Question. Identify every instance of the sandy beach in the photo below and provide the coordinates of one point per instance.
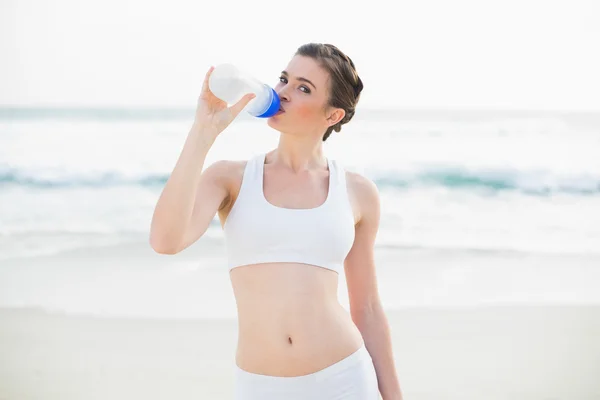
(493, 353)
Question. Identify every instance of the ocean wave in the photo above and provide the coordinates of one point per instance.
(492, 180)
(488, 180)
(52, 179)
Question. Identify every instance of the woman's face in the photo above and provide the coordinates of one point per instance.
(303, 88)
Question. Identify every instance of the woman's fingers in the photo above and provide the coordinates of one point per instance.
(206, 78)
(243, 102)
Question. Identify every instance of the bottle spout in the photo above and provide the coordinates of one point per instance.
(273, 106)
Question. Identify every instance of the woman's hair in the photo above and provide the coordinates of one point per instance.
(345, 86)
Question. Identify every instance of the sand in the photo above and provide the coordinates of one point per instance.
(485, 353)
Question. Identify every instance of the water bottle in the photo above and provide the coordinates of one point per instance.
(230, 84)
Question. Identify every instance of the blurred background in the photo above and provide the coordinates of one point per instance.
(479, 122)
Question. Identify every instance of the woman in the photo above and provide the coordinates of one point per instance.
(293, 221)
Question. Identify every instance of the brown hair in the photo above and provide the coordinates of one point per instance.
(345, 86)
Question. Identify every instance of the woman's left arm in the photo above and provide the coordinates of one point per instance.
(365, 306)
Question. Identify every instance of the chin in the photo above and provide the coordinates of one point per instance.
(272, 122)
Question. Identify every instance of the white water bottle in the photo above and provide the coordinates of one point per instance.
(230, 84)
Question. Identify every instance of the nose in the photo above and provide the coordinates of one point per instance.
(282, 93)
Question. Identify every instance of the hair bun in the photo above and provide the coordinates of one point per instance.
(358, 87)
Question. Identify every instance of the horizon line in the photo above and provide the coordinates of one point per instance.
(589, 118)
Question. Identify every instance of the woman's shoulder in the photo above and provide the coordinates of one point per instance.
(224, 166)
(228, 171)
(363, 192)
(360, 183)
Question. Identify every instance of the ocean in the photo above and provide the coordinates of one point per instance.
(476, 183)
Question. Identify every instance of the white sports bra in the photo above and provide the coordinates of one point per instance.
(257, 231)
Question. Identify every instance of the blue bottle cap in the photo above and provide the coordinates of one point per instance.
(273, 107)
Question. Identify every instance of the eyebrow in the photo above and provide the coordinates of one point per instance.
(301, 79)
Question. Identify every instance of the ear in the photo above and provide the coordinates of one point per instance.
(336, 116)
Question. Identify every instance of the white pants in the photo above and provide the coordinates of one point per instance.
(352, 378)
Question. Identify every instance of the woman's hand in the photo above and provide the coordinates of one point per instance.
(212, 113)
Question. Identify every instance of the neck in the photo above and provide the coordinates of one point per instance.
(299, 154)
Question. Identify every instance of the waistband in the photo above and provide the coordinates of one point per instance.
(289, 382)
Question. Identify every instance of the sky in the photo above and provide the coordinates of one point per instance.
(426, 54)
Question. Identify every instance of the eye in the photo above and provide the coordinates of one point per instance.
(283, 79)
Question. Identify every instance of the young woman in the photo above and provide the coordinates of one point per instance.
(293, 220)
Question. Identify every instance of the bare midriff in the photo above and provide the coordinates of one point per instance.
(290, 322)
